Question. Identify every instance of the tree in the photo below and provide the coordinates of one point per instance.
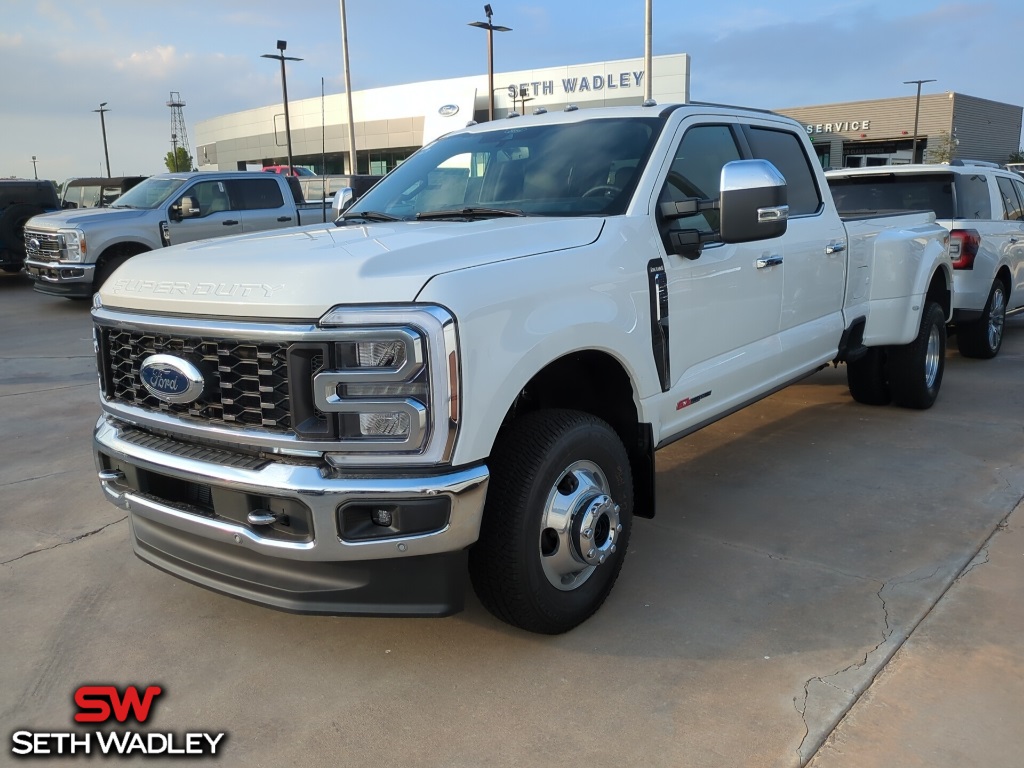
(184, 160)
(1017, 157)
(942, 149)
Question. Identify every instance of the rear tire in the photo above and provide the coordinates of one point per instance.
(915, 369)
(556, 523)
(983, 337)
(868, 378)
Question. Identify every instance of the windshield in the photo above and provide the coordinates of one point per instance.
(149, 194)
(573, 169)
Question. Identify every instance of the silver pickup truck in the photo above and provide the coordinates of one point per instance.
(70, 253)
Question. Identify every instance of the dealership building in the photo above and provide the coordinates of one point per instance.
(391, 123)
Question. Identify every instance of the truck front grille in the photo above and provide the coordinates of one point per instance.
(246, 381)
(41, 246)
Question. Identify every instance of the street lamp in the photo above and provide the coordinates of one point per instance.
(174, 145)
(34, 174)
(523, 97)
(103, 125)
(917, 112)
(491, 29)
(281, 46)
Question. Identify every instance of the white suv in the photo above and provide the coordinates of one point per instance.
(982, 206)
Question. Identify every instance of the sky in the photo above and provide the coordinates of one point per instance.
(60, 59)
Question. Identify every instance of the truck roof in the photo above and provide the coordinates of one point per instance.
(573, 115)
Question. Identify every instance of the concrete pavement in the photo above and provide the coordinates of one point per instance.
(798, 545)
(953, 695)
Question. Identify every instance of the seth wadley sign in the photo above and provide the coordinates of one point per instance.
(578, 84)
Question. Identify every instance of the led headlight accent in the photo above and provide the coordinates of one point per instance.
(391, 385)
(72, 245)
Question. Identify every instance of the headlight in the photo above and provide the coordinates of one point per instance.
(391, 381)
(72, 244)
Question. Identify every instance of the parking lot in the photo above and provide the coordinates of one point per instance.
(797, 545)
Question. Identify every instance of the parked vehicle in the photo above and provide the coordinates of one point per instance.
(982, 206)
(95, 192)
(71, 253)
(474, 369)
(325, 187)
(20, 200)
(297, 170)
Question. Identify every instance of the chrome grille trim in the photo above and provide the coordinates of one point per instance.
(436, 323)
(49, 246)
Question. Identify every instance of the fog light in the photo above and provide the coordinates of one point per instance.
(381, 516)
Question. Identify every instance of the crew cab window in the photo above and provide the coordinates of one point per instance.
(1011, 204)
(211, 197)
(785, 151)
(255, 194)
(696, 171)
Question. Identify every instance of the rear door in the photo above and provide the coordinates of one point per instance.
(815, 253)
(1015, 243)
(261, 204)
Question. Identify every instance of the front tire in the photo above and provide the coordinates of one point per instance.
(983, 337)
(557, 521)
(915, 369)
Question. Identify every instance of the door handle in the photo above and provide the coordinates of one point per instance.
(229, 222)
(768, 261)
(284, 218)
(835, 248)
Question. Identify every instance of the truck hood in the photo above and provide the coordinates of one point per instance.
(78, 217)
(302, 272)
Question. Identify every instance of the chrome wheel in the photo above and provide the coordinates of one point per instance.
(579, 527)
(996, 316)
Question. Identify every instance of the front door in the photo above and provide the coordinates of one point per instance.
(724, 307)
(217, 216)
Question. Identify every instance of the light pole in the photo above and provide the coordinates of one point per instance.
(34, 174)
(491, 29)
(103, 125)
(281, 46)
(174, 145)
(523, 97)
(917, 112)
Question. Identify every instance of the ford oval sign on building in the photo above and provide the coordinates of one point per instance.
(448, 110)
(171, 379)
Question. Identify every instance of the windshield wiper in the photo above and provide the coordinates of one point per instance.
(469, 213)
(370, 216)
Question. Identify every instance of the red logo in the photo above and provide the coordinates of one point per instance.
(97, 703)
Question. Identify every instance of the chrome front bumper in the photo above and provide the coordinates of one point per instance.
(324, 573)
(59, 279)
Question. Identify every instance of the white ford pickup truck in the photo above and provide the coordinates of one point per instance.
(471, 371)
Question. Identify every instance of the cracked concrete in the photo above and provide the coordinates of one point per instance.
(72, 540)
(953, 693)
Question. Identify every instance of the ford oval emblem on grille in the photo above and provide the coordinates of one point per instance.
(171, 379)
(448, 110)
